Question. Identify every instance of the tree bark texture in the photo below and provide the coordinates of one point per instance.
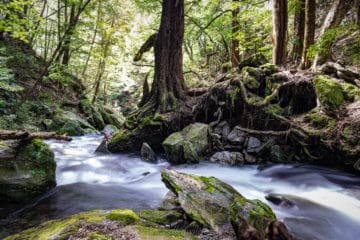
(235, 53)
(168, 86)
(309, 37)
(357, 9)
(280, 20)
(333, 19)
(299, 31)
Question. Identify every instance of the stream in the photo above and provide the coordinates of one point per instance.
(325, 203)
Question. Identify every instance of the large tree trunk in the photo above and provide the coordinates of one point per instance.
(336, 14)
(357, 9)
(309, 37)
(168, 87)
(299, 30)
(280, 20)
(235, 54)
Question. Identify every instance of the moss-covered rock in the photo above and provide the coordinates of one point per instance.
(253, 61)
(187, 145)
(254, 212)
(94, 117)
(65, 122)
(351, 92)
(111, 117)
(26, 170)
(329, 92)
(100, 224)
(249, 77)
(205, 200)
(167, 217)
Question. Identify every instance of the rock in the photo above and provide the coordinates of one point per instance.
(228, 158)
(277, 230)
(113, 224)
(253, 145)
(351, 92)
(245, 212)
(280, 200)
(204, 199)
(92, 114)
(169, 218)
(112, 117)
(102, 148)
(169, 202)
(298, 95)
(329, 93)
(340, 71)
(236, 136)
(187, 145)
(269, 69)
(27, 170)
(249, 158)
(147, 154)
(253, 61)
(251, 78)
(69, 123)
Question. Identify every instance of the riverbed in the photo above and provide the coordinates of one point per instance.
(325, 203)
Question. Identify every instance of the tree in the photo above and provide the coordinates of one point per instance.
(309, 36)
(336, 14)
(299, 30)
(235, 53)
(168, 87)
(280, 20)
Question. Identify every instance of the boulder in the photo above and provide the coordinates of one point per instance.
(329, 93)
(253, 61)
(245, 212)
(92, 114)
(147, 154)
(102, 148)
(340, 71)
(169, 202)
(253, 145)
(187, 145)
(228, 158)
(27, 170)
(204, 199)
(111, 117)
(237, 137)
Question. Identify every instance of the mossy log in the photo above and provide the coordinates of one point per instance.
(24, 135)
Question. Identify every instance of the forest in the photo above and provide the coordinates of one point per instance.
(180, 119)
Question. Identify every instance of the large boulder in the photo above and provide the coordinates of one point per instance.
(27, 170)
(187, 145)
(204, 199)
(329, 93)
(65, 122)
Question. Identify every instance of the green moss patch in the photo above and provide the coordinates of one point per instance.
(163, 233)
(161, 217)
(125, 216)
(351, 92)
(329, 92)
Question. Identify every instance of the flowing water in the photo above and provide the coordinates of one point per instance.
(323, 203)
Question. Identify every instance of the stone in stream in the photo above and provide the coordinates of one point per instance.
(147, 154)
(102, 148)
(188, 145)
(213, 203)
(228, 158)
(253, 145)
(27, 170)
(236, 136)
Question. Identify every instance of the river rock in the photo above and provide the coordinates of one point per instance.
(102, 148)
(187, 145)
(147, 154)
(357, 165)
(249, 158)
(228, 158)
(27, 170)
(237, 137)
(204, 199)
(253, 145)
(246, 214)
(169, 202)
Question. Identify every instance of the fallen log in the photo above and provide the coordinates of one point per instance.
(24, 135)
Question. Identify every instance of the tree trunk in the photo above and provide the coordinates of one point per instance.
(72, 24)
(280, 20)
(309, 37)
(357, 9)
(235, 53)
(168, 87)
(336, 14)
(299, 31)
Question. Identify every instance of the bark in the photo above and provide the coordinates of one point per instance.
(24, 135)
(235, 53)
(146, 92)
(168, 87)
(299, 30)
(357, 9)
(309, 37)
(150, 42)
(333, 19)
(72, 24)
(280, 20)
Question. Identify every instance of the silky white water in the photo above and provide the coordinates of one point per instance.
(326, 203)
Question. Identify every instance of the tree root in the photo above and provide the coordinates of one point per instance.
(26, 136)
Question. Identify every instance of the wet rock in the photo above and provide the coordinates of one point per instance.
(249, 158)
(92, 114)
(102, 148)
(27, 170)
(147, 154)
(187, 145)
(205, 200)
(112, 117)
(357, 165)
(280, 200)
(245, 212)
(253, 145)
(277, 231)
(236, 136)
(169, 202)
(228, 158)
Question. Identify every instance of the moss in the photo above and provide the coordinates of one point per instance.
(99, 236)
(125, 216)
(320, 121)
(269, 68)
(119, 137)
(329, 92)
(351, 92)
(350, 135)
(163, 233)
(156, 120)
(208, 181)
(161, 217)
(249, 77)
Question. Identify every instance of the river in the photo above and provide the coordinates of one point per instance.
(325, 203)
